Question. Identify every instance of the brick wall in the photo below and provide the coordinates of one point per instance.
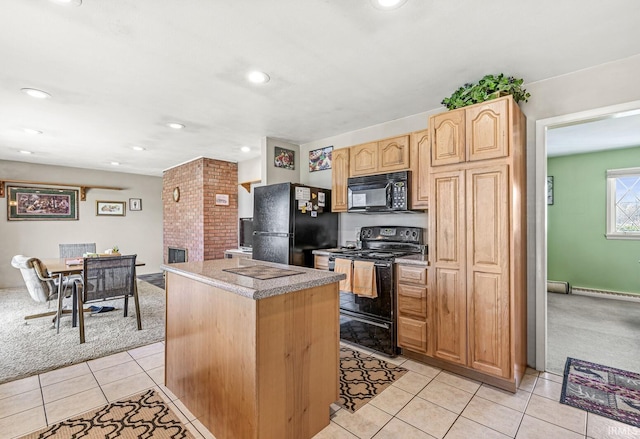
(195, 222)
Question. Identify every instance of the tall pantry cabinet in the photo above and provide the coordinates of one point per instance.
(477, 236)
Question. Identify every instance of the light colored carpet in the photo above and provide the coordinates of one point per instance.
(36, 348)
(599, 330)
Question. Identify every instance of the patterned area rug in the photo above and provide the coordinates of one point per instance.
(141, 416)
(362, 377)
(602, 390)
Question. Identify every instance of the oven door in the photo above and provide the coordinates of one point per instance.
(369, 333)
(381, 307)
(376, 196)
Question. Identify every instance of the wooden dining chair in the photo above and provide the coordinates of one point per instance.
(109, 277)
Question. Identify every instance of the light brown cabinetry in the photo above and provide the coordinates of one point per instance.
(478, 244)
(339, 176)
(320, 262)
(380, 157)
(413, 328)
(477, 132)
(420, 163)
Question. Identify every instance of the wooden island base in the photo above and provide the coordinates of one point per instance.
(250, 368)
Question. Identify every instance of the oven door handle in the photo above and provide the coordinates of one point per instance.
(383, 264)
(369, 322)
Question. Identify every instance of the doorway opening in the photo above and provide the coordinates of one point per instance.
(541, 210)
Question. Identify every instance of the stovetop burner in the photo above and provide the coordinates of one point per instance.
(372, 254)
(384, 243)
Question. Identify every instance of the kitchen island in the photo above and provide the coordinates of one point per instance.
(252, 347)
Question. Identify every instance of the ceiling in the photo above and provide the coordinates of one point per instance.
(119, 70)
(612, 132)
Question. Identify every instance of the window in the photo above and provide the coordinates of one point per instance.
(623, 203)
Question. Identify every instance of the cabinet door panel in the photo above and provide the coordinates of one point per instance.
(450, 316)
(446, 231)
(364, 159)
(340, 173)
(393, 154)
(487, 130)
(420, 163)
(412, 334)
(488, 295)
(447, 223)
(447, 138)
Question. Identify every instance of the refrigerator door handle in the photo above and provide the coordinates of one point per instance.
(279, 235)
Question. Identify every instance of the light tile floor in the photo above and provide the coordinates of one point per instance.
(425, 403)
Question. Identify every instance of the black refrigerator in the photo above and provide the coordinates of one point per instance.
(290, 221)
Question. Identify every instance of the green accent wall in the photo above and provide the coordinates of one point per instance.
(577, 250)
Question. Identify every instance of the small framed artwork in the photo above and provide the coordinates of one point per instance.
(284, 158)
(34, 203)
(320, 159)
(549, 190)
(222, 199)
(135, 204)
(110, 208)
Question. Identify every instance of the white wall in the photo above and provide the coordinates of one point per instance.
(271, 174)
(137, 232)
(248, 170)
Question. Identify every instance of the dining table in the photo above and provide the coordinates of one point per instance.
(62, 267)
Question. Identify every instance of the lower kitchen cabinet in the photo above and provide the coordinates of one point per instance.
(412, 308)
(321, 262)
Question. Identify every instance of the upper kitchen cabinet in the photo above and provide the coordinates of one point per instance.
(339, 176)
(393, 154)
(364, 159)
(447, 138)
(477, 132)
(380, 157)
(420, 162)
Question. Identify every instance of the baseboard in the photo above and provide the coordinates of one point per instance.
(560, 287)
(604, 294)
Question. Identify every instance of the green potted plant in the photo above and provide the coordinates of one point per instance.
(489, 87)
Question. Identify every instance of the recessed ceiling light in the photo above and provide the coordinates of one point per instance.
(245, 149)
(26, 152)
(32, 131)
(115, 163)
(175, 125)
(258, 77)
(137, 148)
(35, 93)
(68, 2)
(387, 5)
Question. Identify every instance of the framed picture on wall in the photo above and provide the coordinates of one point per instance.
(284, 158)
(135, 204)
(110, 208)
(549, 190)
(320, 159)
(36, 203)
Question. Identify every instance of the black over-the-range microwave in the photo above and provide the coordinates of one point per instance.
(379, 193)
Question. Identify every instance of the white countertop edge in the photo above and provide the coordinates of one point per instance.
(262, 293)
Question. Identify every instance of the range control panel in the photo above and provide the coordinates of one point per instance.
(412, 235)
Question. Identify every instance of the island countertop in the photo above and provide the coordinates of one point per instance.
(216, 273)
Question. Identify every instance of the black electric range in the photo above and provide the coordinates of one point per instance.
(371, 322)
